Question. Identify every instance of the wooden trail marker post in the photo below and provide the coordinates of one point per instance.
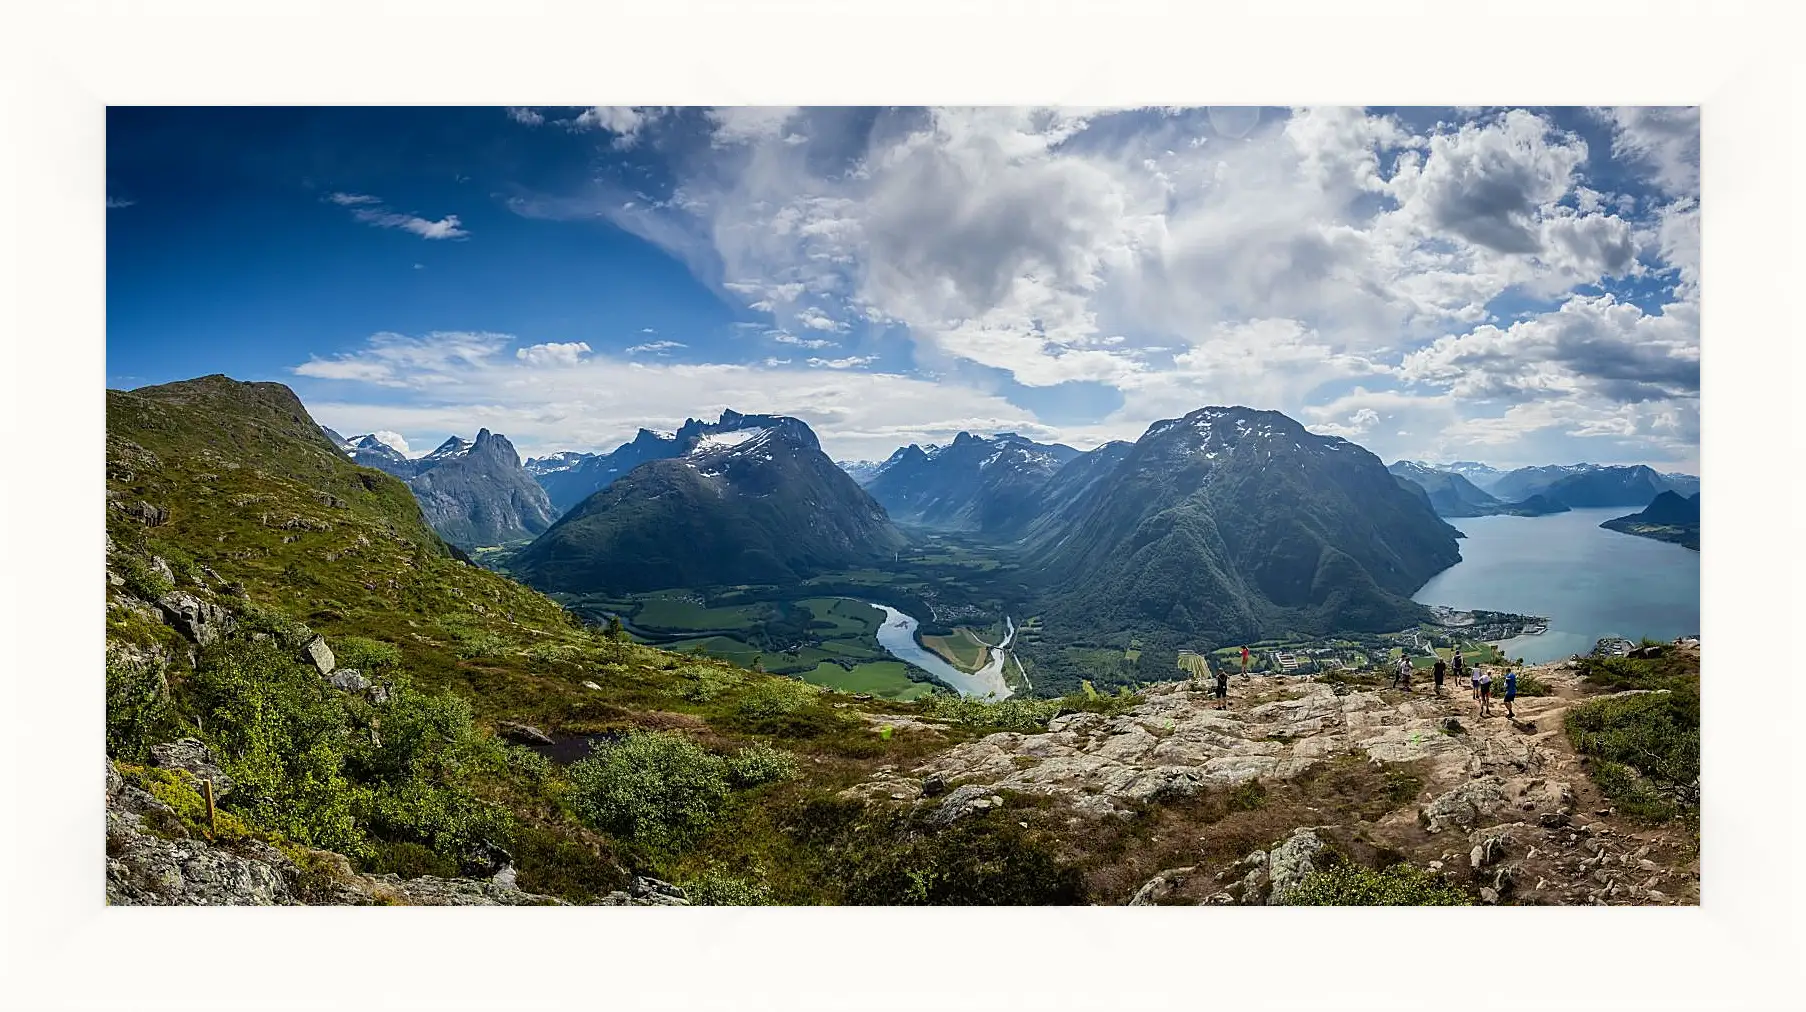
(207, 793)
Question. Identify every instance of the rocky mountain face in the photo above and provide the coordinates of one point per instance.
(752, 499)
(1230, 523)
(1450, 494)
(975, 483)
(567, 486)
(476, 493)
(1073, 485)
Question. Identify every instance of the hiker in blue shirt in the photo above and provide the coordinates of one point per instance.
(1511, 691)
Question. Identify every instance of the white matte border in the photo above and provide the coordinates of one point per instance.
(67, 950)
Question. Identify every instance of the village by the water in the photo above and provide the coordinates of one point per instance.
(1474, 634)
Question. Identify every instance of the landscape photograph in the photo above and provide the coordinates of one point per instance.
(954, 506)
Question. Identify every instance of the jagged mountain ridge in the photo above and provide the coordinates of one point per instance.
(473, 492)
(476, 493)
(975, 483)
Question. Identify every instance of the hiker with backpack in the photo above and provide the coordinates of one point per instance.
(1511, 692)
(1484, 680)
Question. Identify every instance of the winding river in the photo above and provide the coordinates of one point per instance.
(898, 636)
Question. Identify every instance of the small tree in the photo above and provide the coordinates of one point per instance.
(616, 634)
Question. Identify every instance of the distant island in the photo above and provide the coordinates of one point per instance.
(1668, 517)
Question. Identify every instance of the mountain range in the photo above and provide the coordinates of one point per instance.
(473, 492)
(1467, 488)
(1452, 495)
(749, 499)
(975, 483)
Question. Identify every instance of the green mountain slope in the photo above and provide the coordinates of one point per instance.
(1232, 524)
(753, 500)
(352, 688)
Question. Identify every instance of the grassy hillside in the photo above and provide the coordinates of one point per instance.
(721, 779)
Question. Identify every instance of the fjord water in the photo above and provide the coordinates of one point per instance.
(1589, 582)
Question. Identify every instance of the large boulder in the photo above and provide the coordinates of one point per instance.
(1161, 886)
(201, 621)
(194, 757)
(525, 734)
(1465, 805)
(963, 801)
(646, 892)
(348, 679)
(1291, 861)
(318, 652)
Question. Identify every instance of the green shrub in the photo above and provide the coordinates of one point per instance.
(653, 788)
(551, 864)
(1013, 714)
(481, 644)
(410, 860)
(142, 578)
(139, 714)
(761, 764)
(422, 771)
(281, 735)
(1530, 685)
(1644, 750)
(716, 888)
(366, 655)
(1247, 797)
(778, 696)
(700, 684)
(1350, 885)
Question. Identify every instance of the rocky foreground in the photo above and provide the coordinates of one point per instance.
(153, 859)
(1504, 807)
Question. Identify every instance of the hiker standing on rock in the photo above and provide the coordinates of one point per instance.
(1511, 691)
(1403, 678)
(1460, 666)
(1440, 671)
(1473, 676)
(1222, 689)
(1484, 679)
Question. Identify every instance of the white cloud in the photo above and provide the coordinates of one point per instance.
(444, 228)
(1664, 139)
(454, 382)
(524, 115)
(739, 124)
(1593, 345)
(370, 211)
(1284, 257)
(624, 122)
(655, 346)
(568, 353)
(394, 440)
(784, 337)
(113, 203)
(850, 362)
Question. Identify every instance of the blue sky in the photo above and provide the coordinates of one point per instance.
(1510, 285)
